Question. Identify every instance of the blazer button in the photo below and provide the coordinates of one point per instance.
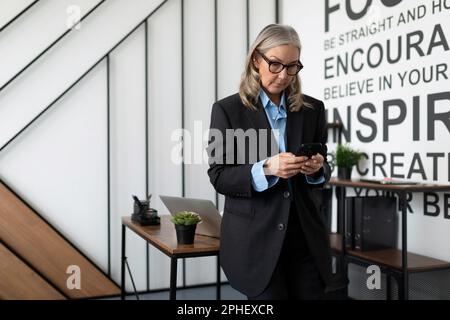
(281, 226)
(286, 194)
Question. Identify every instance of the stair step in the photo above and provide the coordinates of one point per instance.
(19, 282)
(41, 246)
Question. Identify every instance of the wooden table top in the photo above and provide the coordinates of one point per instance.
(164, 238)
(390, 187)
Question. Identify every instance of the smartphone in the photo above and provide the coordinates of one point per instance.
(311, 149)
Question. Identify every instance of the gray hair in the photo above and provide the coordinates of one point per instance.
(271, 36)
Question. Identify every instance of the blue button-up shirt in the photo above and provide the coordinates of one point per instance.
(277, 116)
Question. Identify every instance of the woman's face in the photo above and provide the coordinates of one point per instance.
(275, 83)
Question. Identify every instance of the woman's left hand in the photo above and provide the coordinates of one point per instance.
(312, 165)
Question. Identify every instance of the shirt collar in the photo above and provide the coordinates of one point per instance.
(266, 100)
(274, 111)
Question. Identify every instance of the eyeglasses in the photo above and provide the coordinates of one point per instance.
(277, 67)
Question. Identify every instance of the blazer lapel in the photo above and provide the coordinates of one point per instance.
(294, 130)
(258, 117)
(259, 120)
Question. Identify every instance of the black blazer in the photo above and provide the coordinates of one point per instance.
(254, 223)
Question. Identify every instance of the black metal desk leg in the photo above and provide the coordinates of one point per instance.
(173, 278)
(341, 229)
(401, 290)
(218, 293)
(342, 261)
(122, 269)
(388, 287)
(405, 281)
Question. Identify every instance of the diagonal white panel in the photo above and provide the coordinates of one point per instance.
(60, 67)
(22, 42)
(10, 8)
(59, 166)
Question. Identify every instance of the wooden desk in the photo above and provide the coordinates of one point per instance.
(398, 260)
(164, 238)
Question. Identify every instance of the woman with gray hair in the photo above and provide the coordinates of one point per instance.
(274, 242)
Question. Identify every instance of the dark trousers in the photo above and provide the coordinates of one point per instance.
(296, 275)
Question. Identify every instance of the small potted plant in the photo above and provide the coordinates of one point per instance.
(185, 224)
(346, 159)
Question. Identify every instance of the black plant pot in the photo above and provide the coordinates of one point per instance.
(185, 234)
(345, 173)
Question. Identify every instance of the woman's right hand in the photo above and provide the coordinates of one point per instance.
(284, 165)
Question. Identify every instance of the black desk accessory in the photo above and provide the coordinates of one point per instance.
(143, 214)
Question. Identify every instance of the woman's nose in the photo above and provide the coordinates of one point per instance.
(283, 74)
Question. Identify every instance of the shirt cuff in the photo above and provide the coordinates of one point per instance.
(260, 181)
(315, 180)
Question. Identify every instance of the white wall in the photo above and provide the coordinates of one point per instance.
(165, 176)
(199, 97)
(128, 148)
(25, 41)
(305, 18)
(11, 8)
(59, 164)
(427, 235)
(231, 51)
(262, 12)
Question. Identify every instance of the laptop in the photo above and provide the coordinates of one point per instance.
(211, 218)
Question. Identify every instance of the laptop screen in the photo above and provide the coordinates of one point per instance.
(211, 218)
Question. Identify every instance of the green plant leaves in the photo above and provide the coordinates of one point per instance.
(186, 218)
(346, 156)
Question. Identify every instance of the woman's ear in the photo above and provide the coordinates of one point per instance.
(255, 62)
